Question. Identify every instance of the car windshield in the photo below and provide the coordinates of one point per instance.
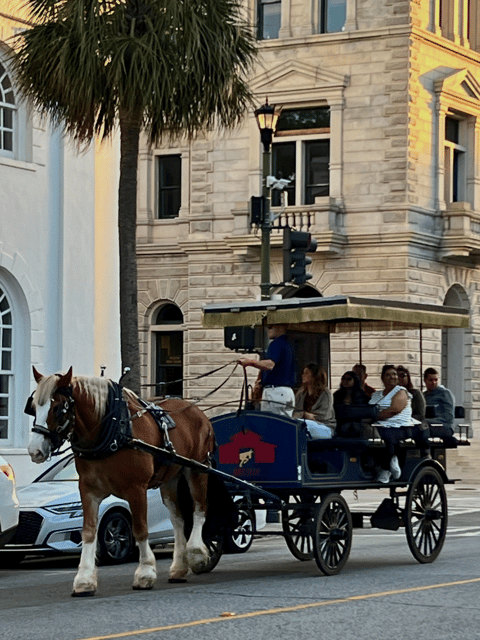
(60, 473)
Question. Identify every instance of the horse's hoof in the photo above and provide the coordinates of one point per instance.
(177, 580)
(82, 594)
(137, 587)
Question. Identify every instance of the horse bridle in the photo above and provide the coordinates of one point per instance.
(63, 414)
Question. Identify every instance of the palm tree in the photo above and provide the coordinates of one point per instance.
(167, 67)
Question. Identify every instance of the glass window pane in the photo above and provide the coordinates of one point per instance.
(452, 129)
(283, 166)
(4, 384)
(3, 429)
(333, 14)
(8, 118)
(6, 360)
(169, 314)
(169, 177)
(269, 19)
(7, 141)
(6, 338)
(317, 158)
(169, 363)
(4, 306)
(298, 119)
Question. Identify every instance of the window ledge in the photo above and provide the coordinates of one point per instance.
(17, 164)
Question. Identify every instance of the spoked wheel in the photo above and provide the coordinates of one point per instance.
(426, 515)
(332, 538)
(297, 526)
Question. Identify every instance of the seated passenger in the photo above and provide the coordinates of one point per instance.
(443, 403)
(420, 432)
(395, 412)
(314, 403)
(361, 371)
(350, 391)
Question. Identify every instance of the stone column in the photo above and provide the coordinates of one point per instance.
(463, 23)
(336, 148)
(434, 21)
(285, 23)
(440, 159)
(351, 16)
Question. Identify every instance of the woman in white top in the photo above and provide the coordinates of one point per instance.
(395, 406)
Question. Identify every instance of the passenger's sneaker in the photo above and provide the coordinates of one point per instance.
(384, 476)
(395, 468)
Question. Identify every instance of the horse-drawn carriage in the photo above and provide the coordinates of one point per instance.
(124, 446)
(307, 478)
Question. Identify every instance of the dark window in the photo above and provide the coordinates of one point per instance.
(168, 352)
(283, 166)
(332, 15)
(169, 177)
(303, 119)
(5, 363)
(452, 130)
(317, 158)
(269, 16)
(7, 107)
(315, 179)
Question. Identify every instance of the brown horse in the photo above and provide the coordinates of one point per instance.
(74, 407)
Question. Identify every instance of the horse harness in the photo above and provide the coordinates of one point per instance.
(116, 426)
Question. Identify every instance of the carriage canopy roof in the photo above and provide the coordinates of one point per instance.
(335, 314)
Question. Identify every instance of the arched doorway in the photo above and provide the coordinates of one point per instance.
(167, 350)
(454, 365)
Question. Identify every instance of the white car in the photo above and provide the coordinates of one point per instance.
(51, 518)
(9, 510)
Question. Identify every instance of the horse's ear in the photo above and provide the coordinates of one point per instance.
(66, 379)
(36, 375)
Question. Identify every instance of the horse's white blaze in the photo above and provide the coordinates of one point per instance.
(179, 566)
(38, 447)
(146, 572)
(41, 415)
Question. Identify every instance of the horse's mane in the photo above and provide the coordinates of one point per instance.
(93, 388)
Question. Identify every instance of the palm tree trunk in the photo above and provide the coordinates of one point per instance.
(130, 126)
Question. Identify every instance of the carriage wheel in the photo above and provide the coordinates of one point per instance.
(426, 515)
(297, 526)
(332, 538)
(214, 546)
(240, 538)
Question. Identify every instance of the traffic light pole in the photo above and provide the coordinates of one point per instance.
(266, 227)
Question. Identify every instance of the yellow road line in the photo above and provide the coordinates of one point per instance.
(266, 612)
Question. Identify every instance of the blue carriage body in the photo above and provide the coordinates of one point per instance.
(273, 451)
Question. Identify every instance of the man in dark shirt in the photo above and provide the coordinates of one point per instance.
(361, 371)
(441, 399)
(278, 372)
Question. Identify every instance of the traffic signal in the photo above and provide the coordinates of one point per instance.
(296, 244)
(257, 210)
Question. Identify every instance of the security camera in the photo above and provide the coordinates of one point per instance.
(275, 183)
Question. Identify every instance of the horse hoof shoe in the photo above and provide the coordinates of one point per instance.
(82, 594)
(176, 580)
(137, 588)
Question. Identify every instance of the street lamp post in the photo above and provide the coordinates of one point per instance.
(267, 117)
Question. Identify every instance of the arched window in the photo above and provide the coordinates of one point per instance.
(6, 372)
(454, 355)
(7, 113)
(167, 350)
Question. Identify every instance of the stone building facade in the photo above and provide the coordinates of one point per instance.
(385, 173)
(58, 255)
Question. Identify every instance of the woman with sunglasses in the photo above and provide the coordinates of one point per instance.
(350, 391)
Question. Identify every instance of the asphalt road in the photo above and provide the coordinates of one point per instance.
(382, 593)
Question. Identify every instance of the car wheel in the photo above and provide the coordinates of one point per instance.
(115, 543)
(239, 539)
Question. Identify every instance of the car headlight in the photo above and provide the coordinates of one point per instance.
(73, 510)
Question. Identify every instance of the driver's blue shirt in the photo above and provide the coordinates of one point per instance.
(283, 373)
